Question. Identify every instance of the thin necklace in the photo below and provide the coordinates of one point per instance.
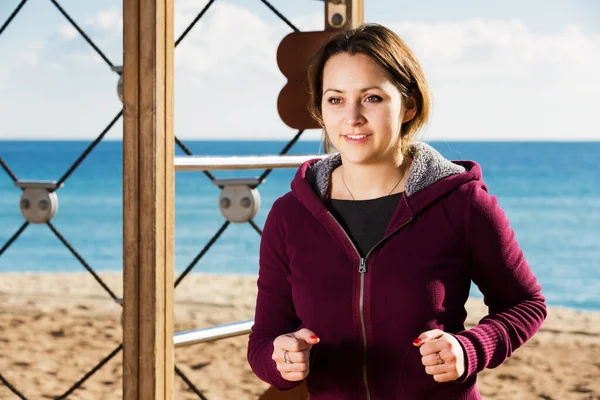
(351, 195)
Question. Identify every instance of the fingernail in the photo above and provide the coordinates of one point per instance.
(417, 341)
(314, 337)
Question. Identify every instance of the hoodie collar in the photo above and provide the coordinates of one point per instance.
(429, 170)
(428, 167)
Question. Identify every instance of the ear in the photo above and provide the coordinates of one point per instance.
(410, 109)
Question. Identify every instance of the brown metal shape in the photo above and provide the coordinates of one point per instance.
(293, 55)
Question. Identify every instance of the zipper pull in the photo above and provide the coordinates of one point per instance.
(362, 268)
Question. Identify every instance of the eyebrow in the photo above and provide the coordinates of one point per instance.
(362, 90)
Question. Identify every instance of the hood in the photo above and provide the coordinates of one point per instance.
(430, 177)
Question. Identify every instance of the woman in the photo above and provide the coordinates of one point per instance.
(365, 266)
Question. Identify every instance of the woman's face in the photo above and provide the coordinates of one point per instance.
(362, 109)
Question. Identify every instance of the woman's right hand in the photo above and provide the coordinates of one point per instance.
(291, 352)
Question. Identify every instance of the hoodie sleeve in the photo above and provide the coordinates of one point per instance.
(275, 313)
(511, 292)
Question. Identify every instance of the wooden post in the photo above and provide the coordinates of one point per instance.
(148, 197)
(343, 14)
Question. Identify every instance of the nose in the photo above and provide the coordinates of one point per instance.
(354, 115)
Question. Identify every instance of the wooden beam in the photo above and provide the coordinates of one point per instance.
(347, 14)
(148, 197)
(358, 13)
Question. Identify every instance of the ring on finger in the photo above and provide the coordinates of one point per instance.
(286, 357)
(438, 359)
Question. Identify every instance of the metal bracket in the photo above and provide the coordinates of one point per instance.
(39, 202)
(119, 70)
(239, 200)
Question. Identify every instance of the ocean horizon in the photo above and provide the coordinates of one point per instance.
(550, 191)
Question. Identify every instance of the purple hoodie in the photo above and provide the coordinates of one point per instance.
(446, 232)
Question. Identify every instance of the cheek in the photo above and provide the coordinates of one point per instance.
(331, 120)
(385, 118)
(395, 118)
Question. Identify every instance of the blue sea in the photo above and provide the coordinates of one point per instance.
(550, 192)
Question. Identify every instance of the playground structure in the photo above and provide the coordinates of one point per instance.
(145, 86)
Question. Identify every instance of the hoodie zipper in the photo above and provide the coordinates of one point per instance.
(362, 269)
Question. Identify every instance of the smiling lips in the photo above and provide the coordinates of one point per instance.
(358, 138)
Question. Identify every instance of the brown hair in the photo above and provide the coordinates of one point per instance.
(391, 54)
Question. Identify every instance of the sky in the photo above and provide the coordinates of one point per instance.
(504, 70)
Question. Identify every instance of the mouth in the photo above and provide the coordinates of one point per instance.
(357, 138)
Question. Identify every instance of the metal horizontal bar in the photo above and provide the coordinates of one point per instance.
(50, 185)
(236, 182)
(196, 163)
(217, 332)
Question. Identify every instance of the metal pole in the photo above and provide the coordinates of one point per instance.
(243, 162)
(195, 336)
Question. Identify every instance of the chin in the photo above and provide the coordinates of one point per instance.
(357, 157)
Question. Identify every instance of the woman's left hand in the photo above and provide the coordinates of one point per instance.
(442, 355)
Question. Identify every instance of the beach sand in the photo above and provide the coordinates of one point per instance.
(56, 327)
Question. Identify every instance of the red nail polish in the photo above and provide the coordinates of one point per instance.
(417, 341)
(314, 337)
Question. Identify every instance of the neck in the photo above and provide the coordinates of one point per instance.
(371, 181)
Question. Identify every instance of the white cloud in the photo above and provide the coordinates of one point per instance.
(480, 49)
(490, 79)
(67, 32)
(498, 80)
(109, 20)
(228, 40)
(31, 54)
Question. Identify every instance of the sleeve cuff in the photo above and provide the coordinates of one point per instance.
(470, 356)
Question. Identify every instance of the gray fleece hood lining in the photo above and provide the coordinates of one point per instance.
(428, 167)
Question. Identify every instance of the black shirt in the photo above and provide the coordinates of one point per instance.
(365, 221)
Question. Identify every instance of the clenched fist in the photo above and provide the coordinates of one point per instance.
(291, 352)
(442, 355)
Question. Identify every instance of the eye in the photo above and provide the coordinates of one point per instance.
(334, 100)
(373, 99)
